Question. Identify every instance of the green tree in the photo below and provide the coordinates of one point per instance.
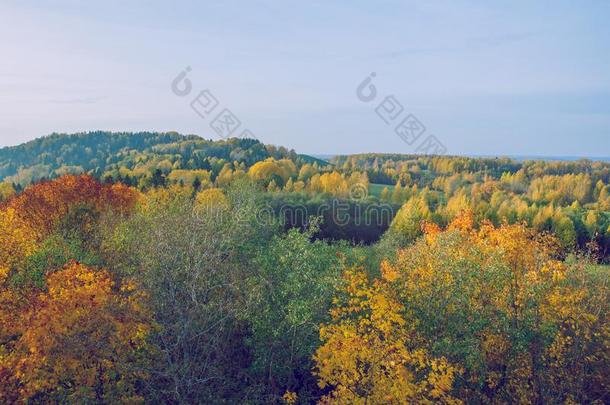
(292, 288)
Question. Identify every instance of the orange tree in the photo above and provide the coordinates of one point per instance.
(61, 218)
(42, 206)
(69, 334)
(495, 316)
(82, 340)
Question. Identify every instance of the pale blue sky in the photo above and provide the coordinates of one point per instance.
(504, 78)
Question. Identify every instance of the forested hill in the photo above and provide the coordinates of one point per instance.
(102, 152)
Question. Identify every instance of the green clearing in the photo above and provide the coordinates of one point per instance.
(375, 189)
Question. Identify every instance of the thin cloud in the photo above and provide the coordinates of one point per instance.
(502, 39)
(81, 100)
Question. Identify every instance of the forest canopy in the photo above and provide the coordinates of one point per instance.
(161, 268)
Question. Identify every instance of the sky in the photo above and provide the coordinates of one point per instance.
(483, 78)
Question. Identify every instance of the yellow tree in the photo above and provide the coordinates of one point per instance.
(17, 241)
(492, 303)
(524, 326)
(334, 183)
(306, 172)
(188, 177)
(6, 191)
(211, 198)
(369, 354)
(397, 194)
(385, 194)
(271, 169)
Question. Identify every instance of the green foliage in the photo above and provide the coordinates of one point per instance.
(127, 154)
(292, 286)
(54, 252)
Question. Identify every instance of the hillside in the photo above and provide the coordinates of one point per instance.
(100, 152)
(570, 199)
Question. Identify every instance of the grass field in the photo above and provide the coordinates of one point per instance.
(376, 189)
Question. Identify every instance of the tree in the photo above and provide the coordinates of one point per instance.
(17, 241)
(370, 352)
(385, 194)
(6, 190)
(193, 267)
(289, 187)
(83, 340)
(212, 199)
(406, 225)
(306, 172)
(564, 228)
(42, 206)
(397, 194)
(158, 178)
(271, 169)
(497, 304)
(291, 285)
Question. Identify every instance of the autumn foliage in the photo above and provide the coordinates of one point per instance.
(42, 206)
(484, 315)
(82, 340)
(81, 335)
(370, 352)
(180, 294)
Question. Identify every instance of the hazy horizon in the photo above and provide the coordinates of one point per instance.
(485, 79)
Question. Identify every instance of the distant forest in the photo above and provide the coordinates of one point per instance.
(568, 198)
